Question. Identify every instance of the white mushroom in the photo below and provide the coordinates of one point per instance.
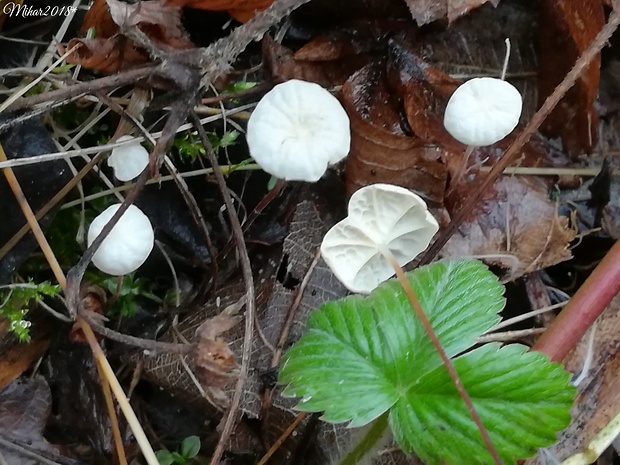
(128, 161)
(483, 111)
(127, 246)
(384, 221)
(297, 130)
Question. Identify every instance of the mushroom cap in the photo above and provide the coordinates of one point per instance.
(128, 161)
(297, 130)
(381, 216)
(127, 246)
(483, 111)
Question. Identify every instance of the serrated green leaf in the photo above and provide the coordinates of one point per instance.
(364, 356)
(522, 398)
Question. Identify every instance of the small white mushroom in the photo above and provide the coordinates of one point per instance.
(384, 221)
(127, 246)
(128, 161)
(297, 130)
(483, 111)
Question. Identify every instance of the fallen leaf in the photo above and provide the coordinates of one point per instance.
(16, 357)
(166, 17)
(516, 227)
(25, 405)
(426, 11)
(106, 55)
(424, 91)
(241, 10)
(383, 147)
(216, 365)
(109, 52)
(284, 65)
(570, 26)
(98, 17)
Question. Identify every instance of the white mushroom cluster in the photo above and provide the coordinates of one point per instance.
(383, 220)
(127, 246)
(483, 111)
(297, 130)
(128, 161)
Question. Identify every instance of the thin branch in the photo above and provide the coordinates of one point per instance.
(569, 80)
(248, 278)
(89, 87)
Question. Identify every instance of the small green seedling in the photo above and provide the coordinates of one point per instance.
(14, 300)
(369, 359)
(190, 147)
(188, 450)
(130, 289)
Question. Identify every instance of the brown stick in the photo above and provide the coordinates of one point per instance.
(248, 278)
(569, 80)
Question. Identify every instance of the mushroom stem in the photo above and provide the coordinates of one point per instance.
(462, 168)
(415, 303)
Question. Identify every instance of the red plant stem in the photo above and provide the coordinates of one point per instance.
(583, 308)
(415, 303)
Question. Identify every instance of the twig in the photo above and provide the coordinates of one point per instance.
(550, 171)
(7, 103)
(47, 157)
(33, 223)
(246, 270)
(109, 403)
(285, 434)
(89, 87)
(62, 281)
(74, 277)
(216, 58)
(569, 80)
(123, 403)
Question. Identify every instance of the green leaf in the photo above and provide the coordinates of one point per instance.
(190, 447)
(522, 398)
(164, 457)
(229, 138)
(362, 357)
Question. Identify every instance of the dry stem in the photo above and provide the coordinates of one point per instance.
(569, 80)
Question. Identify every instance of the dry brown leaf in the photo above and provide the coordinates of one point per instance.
(570, 26)
(283, 64)
(598, 400)
(98, 17)
(426, 11)
(24, 408)
(517, 227)
(241, 10)
(110, 53)
(16, 357)
(216, 365)
(106, 55)
(381, 149)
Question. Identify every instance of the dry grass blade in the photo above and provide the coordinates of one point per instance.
(102, 362)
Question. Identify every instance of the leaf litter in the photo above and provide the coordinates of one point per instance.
(395, 105)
